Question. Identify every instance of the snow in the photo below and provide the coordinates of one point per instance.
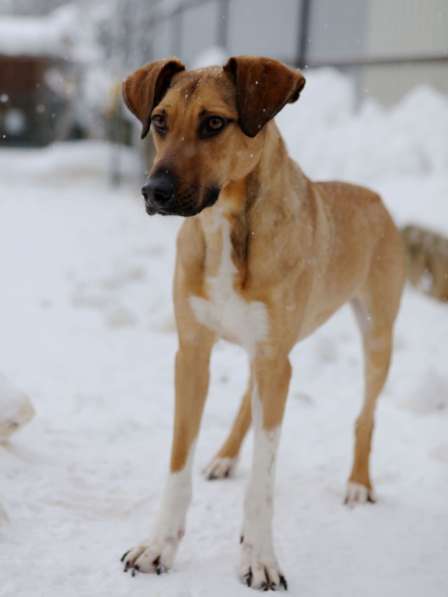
(60, 163)
(330, 141)
(52, 35)
(210, 57)
(15, 409)
(86, 330)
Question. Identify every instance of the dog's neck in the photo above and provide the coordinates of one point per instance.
(266, 185)
(258, 199)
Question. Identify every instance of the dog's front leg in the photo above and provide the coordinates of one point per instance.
(259, 567)
(192, 377)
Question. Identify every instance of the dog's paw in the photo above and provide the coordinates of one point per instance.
(358, 494)
(220, 468)
(156, 556)
(260, 573)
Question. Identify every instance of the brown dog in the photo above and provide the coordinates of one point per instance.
(267, 257)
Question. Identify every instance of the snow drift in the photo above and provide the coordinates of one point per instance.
(331, 138)
(15, 409)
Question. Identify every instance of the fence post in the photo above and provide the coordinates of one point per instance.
(304, 29)
(177, 29)
(223, 23)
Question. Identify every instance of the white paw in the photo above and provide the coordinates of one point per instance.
(156, 556)
(358, 494)
(220, 468)
(260, 571)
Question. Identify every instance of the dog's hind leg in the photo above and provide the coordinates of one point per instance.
(225, 460)
(375, 309)
(377, 344)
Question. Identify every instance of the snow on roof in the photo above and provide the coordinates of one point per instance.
(52, 35)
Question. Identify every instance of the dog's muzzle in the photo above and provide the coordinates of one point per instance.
(159, 192)
(162, 197)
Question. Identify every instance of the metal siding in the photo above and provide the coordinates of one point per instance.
(199, 30)
(337, 29)
(264, 27)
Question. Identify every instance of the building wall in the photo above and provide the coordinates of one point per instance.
(268, 27)
(200, 30)
(338, 31)
(264, 27)
(406, 28)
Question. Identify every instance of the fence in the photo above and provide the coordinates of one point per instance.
(171, 18)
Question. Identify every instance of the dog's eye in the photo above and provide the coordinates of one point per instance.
(212, 125)
(159, 123)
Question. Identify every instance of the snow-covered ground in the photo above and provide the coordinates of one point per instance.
(86, 330)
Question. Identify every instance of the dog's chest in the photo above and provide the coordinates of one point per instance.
(225, 311)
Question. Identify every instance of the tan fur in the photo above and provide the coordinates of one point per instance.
(300, 248)
(232, 445)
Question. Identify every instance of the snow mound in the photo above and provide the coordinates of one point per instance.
(15, 410)
(210, 57)
(62, 161)
(431, 396)
(330, 139)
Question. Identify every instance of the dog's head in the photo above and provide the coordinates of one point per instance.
(207, 124)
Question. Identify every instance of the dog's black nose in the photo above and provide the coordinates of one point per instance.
(159, 189)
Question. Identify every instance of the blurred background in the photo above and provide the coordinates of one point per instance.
(86, 324)
(60, 62)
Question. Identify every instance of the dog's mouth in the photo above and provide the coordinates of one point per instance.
(185, 206)
(186, 212)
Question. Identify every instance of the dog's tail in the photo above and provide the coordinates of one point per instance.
(428, 261)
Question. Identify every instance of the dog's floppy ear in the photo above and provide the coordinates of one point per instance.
(263, 87)
(144, 89)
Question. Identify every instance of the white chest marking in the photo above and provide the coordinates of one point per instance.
(226, 312)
